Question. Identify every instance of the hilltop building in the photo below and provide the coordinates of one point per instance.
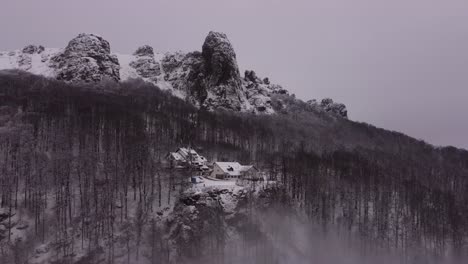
(187, 158)
(234, 171)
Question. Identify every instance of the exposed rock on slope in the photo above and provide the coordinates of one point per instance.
(211, 76)
(32, 49)
(329, 106)
(86, 58)
(209, 79)
(259, 92)
(222, 77)
(145, 64)
(184, 73)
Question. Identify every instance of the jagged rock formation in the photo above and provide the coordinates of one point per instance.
(259, 92)
(209, 79)
(145, 63)
(185, 73)
(222, 77)
(31, 49)
(212, 76)
(86, 58)
(327, 105)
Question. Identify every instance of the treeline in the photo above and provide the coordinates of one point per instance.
(93, 154)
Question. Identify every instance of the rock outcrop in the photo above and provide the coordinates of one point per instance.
(259, 92)
(209, 78)
(222, 77)
(185, 73)
(145, 63)
(224, 215)
(87, 58)
(329, 106)
(32, 49)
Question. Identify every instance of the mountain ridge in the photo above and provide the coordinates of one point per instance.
(208, 79)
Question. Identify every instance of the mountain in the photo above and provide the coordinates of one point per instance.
(86, 174)
(209, 79)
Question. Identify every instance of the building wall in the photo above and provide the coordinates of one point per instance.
(217, 172)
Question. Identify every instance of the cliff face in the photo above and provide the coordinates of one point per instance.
(209, 79)
(87, 58)
(228, 219)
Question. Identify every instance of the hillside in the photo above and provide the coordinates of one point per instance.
(76, 154)
(84, 178)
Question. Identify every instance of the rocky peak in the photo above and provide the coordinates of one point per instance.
(210, 78)
(145, 64)
(88, 45)
(33, 49)
(221, 71)
(144, 50)
(86, 58)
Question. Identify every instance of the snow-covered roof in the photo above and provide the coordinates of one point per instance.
(233, 168)
(176, 156)
(187, 155)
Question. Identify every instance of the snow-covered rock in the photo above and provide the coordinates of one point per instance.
(145, 63)
(208, 78)
(86, 58)
(329, 106)
(222, 77)
(31, 49)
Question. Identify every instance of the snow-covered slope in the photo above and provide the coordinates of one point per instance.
(209, 79)
(33, 59)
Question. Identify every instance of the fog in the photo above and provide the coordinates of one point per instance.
(282, 236)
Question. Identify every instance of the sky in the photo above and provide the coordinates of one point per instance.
(397, 64)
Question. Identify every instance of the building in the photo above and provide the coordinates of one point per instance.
(187, 158)
(233, 171)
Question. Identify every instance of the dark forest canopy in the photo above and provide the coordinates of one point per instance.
(297, 125)
(396, 191)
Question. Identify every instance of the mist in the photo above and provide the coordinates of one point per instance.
(283, 236)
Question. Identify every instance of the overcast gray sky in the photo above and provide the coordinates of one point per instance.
(398, 64)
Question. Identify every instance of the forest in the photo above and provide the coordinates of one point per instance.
(87, 158)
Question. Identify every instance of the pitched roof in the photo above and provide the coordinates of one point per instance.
(187, 155)
(233, 168)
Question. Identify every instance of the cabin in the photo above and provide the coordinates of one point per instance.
(187, 158)
(233, 171)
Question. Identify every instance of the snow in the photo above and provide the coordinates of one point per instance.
(126, 71)
(7, 61)
(252, 99)
(34, 63)
(233, 168)
(209, 184)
